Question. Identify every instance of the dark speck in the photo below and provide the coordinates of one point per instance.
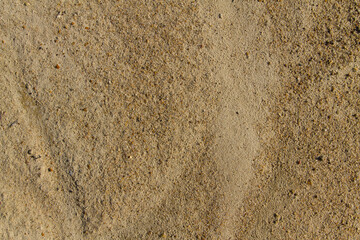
(319, 158)
(275, 218)
(357, 29)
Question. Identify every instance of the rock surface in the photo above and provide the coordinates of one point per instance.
(179, 119)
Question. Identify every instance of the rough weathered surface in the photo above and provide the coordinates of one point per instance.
(312, 189)
(179, 119)
(116, 99)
